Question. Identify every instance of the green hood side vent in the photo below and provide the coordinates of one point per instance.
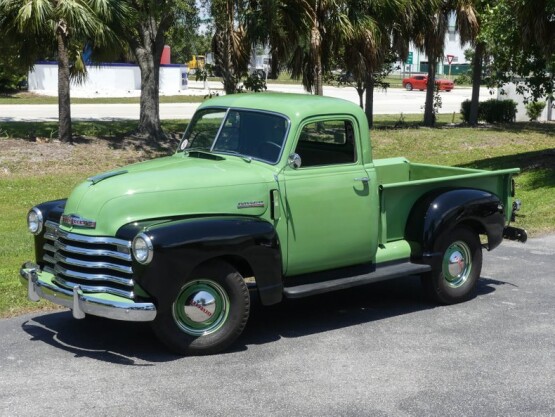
(101, 177)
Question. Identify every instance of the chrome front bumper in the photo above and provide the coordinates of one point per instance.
(81, 303)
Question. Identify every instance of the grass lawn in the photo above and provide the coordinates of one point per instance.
(40, 170)
(31, 98)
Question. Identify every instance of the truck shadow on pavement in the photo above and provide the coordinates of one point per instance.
(127, 343)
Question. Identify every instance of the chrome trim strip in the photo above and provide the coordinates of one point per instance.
(100, 177)
(93, 265)
(89, 304)
(49, 259)
(101, 240)
(93, 288)
(48, 247)
(92, 252)
(98, 240)
(93, 277)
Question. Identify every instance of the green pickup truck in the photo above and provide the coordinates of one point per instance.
(273, 194)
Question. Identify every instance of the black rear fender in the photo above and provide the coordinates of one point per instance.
(440, 211)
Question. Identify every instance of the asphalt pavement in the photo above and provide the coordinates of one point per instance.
(391, 101)
(381, 350)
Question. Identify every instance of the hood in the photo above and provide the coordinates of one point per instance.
(178, 185)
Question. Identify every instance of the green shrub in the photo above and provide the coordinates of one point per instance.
(534, 110)
(491, 111)
(255, 82)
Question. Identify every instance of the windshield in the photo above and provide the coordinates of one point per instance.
(247, 133)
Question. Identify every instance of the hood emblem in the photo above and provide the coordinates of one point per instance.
(250, 204)
(74, 220)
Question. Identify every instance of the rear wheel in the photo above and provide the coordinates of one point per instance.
(408, 86)
(456, 280)
(209, 312)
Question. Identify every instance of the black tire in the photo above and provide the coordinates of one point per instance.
(461, 264)
(208, 314)
(408, 86)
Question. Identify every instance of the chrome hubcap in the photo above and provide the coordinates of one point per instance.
(201, 308)
(457, 264)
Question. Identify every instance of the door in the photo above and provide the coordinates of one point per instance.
(329, 200)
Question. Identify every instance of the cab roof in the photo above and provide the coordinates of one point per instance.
(295, 106)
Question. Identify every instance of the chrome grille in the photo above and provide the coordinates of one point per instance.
(94, 263)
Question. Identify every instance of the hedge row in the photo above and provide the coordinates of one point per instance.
(491, 111)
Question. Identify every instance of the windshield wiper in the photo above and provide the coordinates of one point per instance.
(235, 153)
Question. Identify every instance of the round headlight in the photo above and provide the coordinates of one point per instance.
(35, 221)
(143, 251)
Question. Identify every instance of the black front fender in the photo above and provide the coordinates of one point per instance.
(182, 245)
(440, 211)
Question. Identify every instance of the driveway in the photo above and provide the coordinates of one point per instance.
(381, 350)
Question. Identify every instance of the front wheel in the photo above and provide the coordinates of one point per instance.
(408, 86)
(207, 314)
(461, 264)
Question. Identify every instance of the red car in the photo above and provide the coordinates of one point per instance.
(419, 82)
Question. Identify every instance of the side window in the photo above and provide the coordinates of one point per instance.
(328, 142)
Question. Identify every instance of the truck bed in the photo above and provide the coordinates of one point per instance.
(401, 183)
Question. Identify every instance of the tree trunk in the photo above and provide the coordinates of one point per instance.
(429, 115)
(369, 108)
(221, 45)
(316, 45)
(360, 91)
(148, 53)
(64, 101)
(149, 119)
(476, 78)
(274, 66)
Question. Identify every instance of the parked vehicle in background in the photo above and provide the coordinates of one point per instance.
(420, 82)
(198, 62)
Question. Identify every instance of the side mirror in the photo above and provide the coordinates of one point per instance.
(294, 161)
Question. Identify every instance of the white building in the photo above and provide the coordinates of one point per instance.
(108, 79)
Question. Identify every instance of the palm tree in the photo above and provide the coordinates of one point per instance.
(303, 35)
(230, 42)
(430, 27)
(268, 25)
(69, 23)
(378, 34)
(481, 7)
(326, 26)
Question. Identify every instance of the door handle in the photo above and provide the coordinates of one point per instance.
(365, 180)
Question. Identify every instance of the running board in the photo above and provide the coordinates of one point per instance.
(380, 274)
